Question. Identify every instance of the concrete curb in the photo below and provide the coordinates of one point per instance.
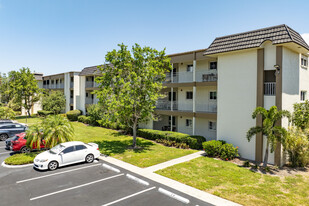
(15, 166)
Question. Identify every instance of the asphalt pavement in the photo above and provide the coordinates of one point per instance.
(84, 184)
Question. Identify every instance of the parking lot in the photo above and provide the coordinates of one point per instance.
(84, 184)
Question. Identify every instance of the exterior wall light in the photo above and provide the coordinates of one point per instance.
(277, 68)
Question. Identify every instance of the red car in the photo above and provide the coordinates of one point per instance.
(18, 144)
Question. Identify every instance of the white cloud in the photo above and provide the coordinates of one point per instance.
(306, 37)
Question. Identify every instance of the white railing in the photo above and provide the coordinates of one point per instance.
(206, 76)
(269, 88)
(179, 77)
(89, 84)
(166, 105)
(207, 107)
(89, 101)
(71, 84)
(71, 100)
(53, 86)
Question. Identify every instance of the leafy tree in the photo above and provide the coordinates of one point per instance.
(24, 87)
(269, 129)
(57, 129)
(130, 84)
(6, 113)
(35, 136)
(54, 102)
(5, 94)
(300, 117)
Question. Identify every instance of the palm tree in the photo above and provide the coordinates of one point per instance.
(269, 129)
(34, 136)
(57, 129)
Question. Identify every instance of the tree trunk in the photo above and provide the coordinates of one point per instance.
(134, 134)
(266, 155)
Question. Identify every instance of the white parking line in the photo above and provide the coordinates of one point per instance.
(5, 152)
(58, 173)
(2, 147)
(72, 188)
(129, 196)
(173, 195)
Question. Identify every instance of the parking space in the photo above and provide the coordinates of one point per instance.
(87, 184)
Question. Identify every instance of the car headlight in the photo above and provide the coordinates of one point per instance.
(44, 160)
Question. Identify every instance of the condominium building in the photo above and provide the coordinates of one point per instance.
(212, 92)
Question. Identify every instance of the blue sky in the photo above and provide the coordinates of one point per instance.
(54, 36)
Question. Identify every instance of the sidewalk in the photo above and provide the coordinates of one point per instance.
(149, 173)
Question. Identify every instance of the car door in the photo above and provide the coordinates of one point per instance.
(81, 152)
(68, 156)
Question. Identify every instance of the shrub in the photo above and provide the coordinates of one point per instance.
(246, 163)
(228, 152)
(7, 113)
(17, 113)
(220, 149)
(193, 142)
(95, 113)
(44, 113)
(84, 119)
(73, 115)
(296, 144)
(212, 148)
(63, 115)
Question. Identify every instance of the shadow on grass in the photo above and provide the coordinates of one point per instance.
(120, 146)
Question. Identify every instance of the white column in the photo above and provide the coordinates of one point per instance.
(193, 126)
(194, 99)
(194, 70)
(172, 96)
(76, 92)
(171, 123)
(82, 98)
(67, 92)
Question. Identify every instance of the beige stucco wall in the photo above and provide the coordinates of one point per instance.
(237, 86)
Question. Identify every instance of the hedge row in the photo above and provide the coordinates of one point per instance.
(84, 119)
(73, 115)
(44, 113)
(193, 141)
(220, 149)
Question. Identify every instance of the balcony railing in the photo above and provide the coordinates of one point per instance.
(89, 101)
(166, 105)
(183, 77)
(208, 107)
(205, 107)
(207, 76)
(269, 88)
(53, 86)
(91, 84)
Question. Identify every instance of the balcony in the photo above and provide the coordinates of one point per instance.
(53, 86)
(269, 88)
(166, 105)
(89, 100)
(207, 76)
(179, 77)
(185, 77)
(207, 107)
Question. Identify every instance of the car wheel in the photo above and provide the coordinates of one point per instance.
(3, 137)
(25, 150)
(89, 158)
(53, 165)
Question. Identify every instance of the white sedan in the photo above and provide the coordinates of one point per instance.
(65, 154)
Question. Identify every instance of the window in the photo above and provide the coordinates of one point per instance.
(213, 95)
(213, 65)
(189, 95)
(72, 79)
(173, 120)
(18, 126)
(80, 147)
(71, 94)
(304, 61)
(190, 68)
(188, 122)
(68, 150)
(303, 95)
(212, 125)
(71, 108)
(170, 96)
(56, 81)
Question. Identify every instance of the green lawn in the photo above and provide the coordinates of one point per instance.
(116, 145)
(239, 184)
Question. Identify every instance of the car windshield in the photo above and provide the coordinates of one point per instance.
(57, 149)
